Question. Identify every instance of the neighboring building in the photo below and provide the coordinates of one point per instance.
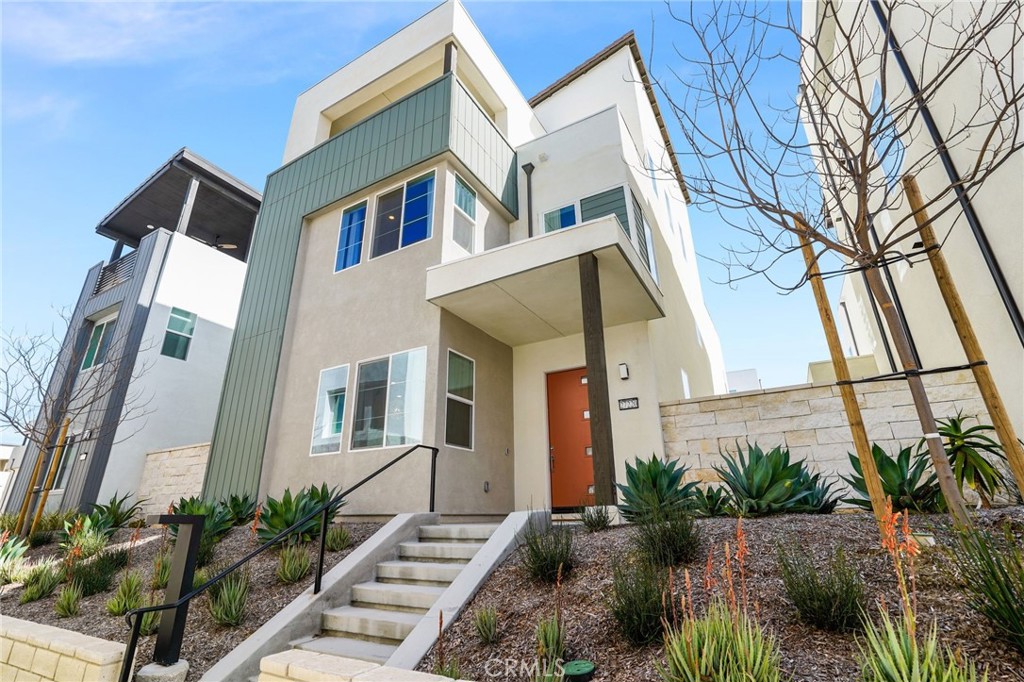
(741, 380)
(430, 260)
(150, 332)
(999, 206)
(10, 457)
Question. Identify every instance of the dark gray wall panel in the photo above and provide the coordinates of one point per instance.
(610, 202)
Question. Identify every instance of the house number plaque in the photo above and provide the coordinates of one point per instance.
(629, 403)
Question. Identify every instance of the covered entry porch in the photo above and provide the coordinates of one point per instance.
(540, 295)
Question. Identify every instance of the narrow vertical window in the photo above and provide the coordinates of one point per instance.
(180, 327)
(371, 404)
(329, 419)
(99, 341)
(388, 224)
(560, 218)
(419, 195)
(350, 237)
(465, 215)
(459, 408)
(67, 462)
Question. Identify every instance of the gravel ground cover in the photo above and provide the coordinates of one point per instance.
(205, 642)
(808, 654)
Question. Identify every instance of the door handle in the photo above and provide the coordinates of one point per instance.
(551, 458)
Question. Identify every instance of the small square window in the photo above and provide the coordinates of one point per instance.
(586, 414)
(588, 451)
(99, 342)
(181, 326)
(560, 218)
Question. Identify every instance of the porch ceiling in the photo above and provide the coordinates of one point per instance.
(529, 291)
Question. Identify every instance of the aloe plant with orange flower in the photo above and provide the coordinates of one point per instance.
(892, 651)
(726, 642)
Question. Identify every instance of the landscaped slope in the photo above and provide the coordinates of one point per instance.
(808, 654)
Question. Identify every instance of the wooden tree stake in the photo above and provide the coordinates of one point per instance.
(965, 330)
(835, 348)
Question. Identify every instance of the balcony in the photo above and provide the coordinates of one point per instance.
(529, 290)
(115, 273)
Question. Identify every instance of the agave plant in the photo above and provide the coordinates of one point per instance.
(323, 495)
(903, 481)
(967, 449)
(242, 508)
(280, 514)
(711, 501)
(762, 483)
(218, 517)
(821, 499)
(654, 486)
(117, 513)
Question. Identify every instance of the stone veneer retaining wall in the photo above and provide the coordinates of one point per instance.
(33, 652)
(809, 419)
(172, 474)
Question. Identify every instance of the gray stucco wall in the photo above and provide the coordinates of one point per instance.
(420, 127)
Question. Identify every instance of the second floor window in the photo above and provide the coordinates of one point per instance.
(350, 237)
(560, 218)
(404, 215)
(178, 337)
(465, 215)
(99, 341)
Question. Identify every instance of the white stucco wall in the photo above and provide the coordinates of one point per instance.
(999, 205)
(634, 432)
(182, 395)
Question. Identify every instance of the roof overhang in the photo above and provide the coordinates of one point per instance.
(224, 208)
(529, 291)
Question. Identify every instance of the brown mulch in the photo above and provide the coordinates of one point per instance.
(205, 642)
(808, 654)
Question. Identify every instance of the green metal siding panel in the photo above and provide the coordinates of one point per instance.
(610, 202)
(480, 146)
(410, 131)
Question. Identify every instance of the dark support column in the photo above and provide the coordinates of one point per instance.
(597, 382)
(186, 206)
(116, 253)
(451, 54)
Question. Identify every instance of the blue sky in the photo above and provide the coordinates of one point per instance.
(96, 96)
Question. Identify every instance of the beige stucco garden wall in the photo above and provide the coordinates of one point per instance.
(33, 652)
(171, 474)
(809, 420)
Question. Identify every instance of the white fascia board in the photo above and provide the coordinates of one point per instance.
(309, 127)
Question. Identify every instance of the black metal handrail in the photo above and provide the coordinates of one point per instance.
(323, 511)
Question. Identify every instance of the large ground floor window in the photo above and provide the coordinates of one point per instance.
(389, 400)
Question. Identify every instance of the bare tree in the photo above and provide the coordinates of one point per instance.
(824, 162)
(43, 387)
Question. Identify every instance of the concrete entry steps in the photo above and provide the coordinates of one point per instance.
(383, 612)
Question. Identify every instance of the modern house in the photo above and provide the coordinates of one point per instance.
(142, 364)
(441, 260)
(982, 237)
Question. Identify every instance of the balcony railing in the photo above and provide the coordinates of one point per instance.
(115, 273)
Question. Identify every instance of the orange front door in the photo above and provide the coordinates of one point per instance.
(570, 457)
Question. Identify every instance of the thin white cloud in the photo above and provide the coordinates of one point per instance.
(64, 33)
(49, 111)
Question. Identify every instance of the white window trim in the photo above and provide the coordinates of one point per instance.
(387, 401)
(471, 403)
(95, 323)
(341, 439)
(576, 207)
(168, 330)
(72, 438)
(455, 203)
(370, 204)
(431, 212)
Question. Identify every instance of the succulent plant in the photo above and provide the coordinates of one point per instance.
(761, 483)
(653, 486)
(903, 481)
